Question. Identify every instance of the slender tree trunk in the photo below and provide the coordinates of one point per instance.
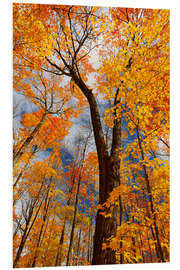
(89, 240)
(153, 233)
(73, 223)
(49, 239)
(23, 240)
(25, 235)
(21, 150)
(61, 240)
(22, 171)
(78, 246)
(118, 139)
(120, 223)
(41, 229)
(76, 200)
(150, 251)
(142, 253)
(159, 248)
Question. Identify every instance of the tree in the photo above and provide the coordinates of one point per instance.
(133, 79)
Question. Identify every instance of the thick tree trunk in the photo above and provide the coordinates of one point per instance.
(109, 179)
(105, 227)
(109, 167)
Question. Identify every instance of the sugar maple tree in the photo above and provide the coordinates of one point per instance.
(55, 71)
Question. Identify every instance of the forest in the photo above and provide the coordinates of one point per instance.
(90, 135)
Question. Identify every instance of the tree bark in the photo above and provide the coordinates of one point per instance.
(109, 179)
(109, 165)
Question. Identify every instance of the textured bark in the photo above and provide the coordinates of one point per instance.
(106, 227)
(115, 152)
(109, 167)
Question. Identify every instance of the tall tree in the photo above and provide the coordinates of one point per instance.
(133, 79)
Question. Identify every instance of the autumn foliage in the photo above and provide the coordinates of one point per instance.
(91, 135)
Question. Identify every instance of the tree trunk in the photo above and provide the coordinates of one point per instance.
(109, 168)
(89, 252)
(61, 240)
(25, 235)
(23, 240)
(105, 227)
(78, 245)
(76, 200)
(20, 152)
(46, 208)
(157, 237)
(109, 179)
(22, 171)
(74, 222)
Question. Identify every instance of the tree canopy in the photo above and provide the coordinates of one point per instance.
(91, 135)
